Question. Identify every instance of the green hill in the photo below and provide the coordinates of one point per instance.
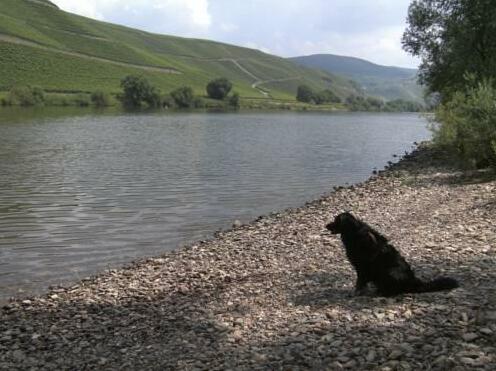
(381, 81)
(62, 52)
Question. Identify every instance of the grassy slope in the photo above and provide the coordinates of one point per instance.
(57, 34)
(383, 81)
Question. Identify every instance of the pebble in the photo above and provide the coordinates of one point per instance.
(277, 293)
(470, 336)
(370, 357)
(395, 354)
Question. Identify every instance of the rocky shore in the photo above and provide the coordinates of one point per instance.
(276, 294)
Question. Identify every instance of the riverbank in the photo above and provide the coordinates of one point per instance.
(275, 294)
(83, 100)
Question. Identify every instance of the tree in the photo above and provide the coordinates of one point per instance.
(219, 88)
(183, 97)
(304, 94)
(101, 98)
(26, 96)
(468, 124)
(137, 90)
(453, 38)
(234, 100)
(326, 96)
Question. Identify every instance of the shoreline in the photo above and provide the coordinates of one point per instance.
(275, 293)
(250, 105)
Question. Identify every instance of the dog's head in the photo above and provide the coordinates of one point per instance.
(342, 223)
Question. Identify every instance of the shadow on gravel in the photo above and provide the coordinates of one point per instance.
(179, 330)
(319, 324)
(435, 331)
(138, 332)
(427, 162)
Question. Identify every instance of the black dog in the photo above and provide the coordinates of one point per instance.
(376, 261)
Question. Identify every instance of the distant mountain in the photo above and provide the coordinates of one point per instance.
(382, 81)
(44, 46)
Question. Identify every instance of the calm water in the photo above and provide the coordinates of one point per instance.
(91, 191)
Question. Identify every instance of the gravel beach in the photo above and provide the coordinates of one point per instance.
(277, 294)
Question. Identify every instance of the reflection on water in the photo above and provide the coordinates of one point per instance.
(82, 193)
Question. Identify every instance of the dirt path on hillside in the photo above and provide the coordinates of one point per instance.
(257, 80)
(255, 85)
(43, 3)
(19, 41)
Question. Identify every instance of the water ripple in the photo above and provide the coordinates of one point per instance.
(81, 194)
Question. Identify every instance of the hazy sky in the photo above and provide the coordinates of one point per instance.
(360, 28)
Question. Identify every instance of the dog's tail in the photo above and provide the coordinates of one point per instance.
(437, 284)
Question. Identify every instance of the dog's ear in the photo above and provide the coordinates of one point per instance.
(351, 214)
(349, 217)
(372, 238)
(348, 220)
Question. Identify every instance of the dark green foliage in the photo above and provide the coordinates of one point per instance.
(373, 104)
(183, 97)
(401, 105)
(359, 103)
(137, 90)
(82, 100)
(219, 88)
(453, 37)
(168, 102)
(153, 99)
(25, 96)
(468, 124)
(234, 100)
(304, 94)
(198, 102)
(326, 96)
(456, 40)
(101, 99)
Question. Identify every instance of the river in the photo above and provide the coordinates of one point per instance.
(83, 192)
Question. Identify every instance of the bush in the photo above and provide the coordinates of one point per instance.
(219, 88)
(234, 100)
(400, 105)
(326, 96)
(101, 99)
(304, 94)
(467, 124)
(183, 97)
(359, 103)
(153, 99)
(137, 90)
(82, 100)
(198, 102)
(26, 96)
(375, 104)
(168, 102)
